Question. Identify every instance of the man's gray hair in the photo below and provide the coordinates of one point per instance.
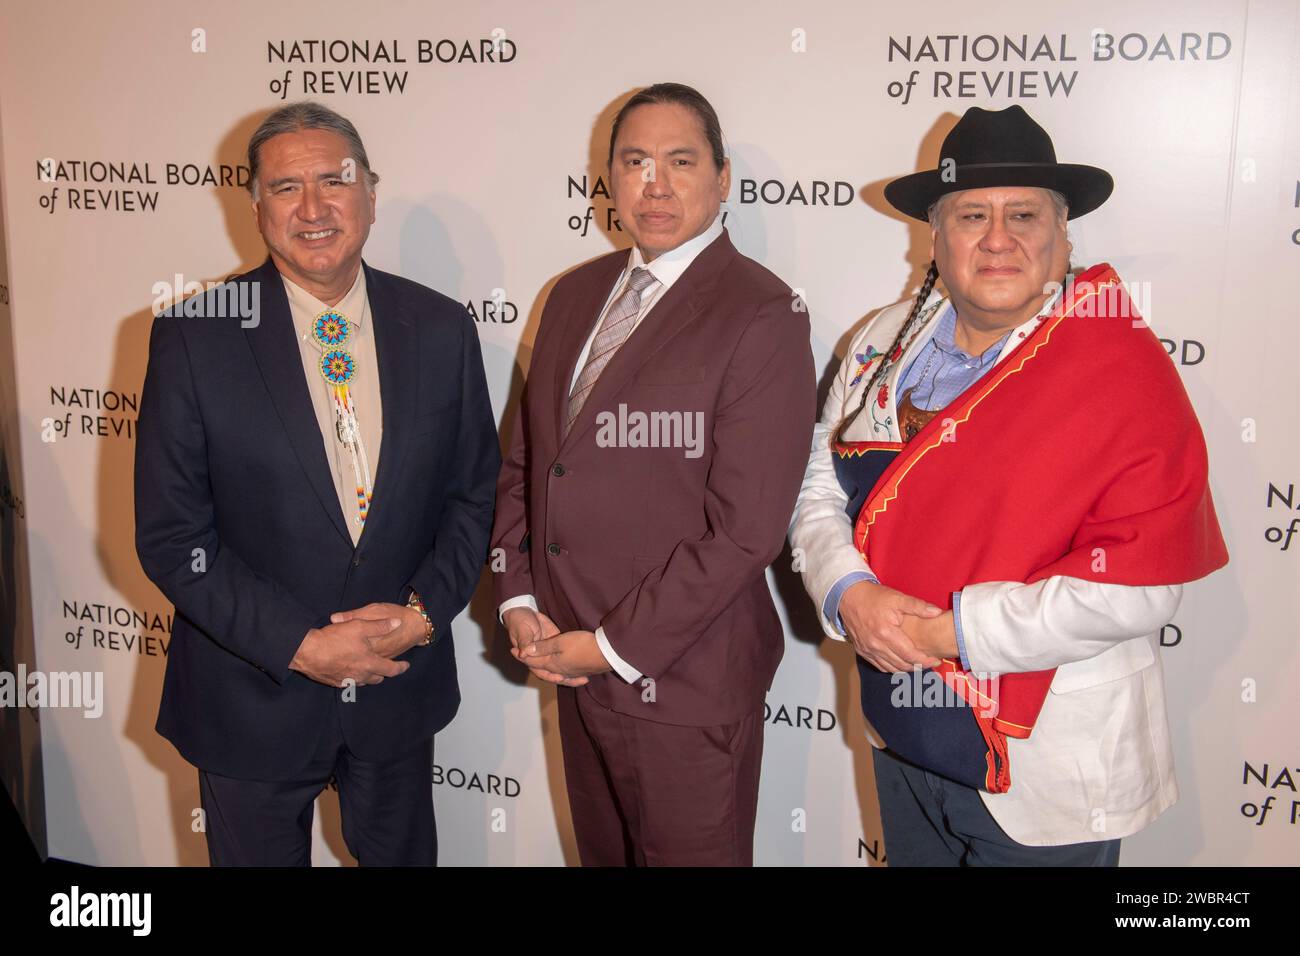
(1058, 200)
(305, 115)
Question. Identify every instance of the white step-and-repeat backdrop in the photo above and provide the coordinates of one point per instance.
(123, 130)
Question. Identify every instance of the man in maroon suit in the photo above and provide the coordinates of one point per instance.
(653, 469)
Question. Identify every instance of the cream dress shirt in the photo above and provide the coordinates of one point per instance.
(364, 387)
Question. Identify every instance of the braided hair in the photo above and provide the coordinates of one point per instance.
(927, 286)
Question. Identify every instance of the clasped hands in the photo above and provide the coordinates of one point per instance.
(894, 631)
(567, 658)
(359, 645)
(891, 630)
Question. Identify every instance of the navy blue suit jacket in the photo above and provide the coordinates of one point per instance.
(239, 525)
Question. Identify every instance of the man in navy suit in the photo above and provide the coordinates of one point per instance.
(314, 491)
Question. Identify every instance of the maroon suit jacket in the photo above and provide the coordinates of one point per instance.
(667, 552)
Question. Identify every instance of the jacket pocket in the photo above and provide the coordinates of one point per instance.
(670, 375)
(1122, 660)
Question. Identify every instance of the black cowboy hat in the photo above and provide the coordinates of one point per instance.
(999, 148)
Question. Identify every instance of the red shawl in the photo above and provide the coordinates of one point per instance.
(1079, 454)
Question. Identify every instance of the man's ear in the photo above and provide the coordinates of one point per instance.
(724, 179)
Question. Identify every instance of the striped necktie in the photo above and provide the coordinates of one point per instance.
(618, 324)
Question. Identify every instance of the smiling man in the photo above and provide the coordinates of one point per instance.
(635, 574)
(1006, 492)
(314, 494)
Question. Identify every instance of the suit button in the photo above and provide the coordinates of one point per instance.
(356, 561)
(552, 548)
(558, 471)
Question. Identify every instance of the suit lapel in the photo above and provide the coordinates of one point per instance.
(275, 347)
(397, 354)
(673, 312)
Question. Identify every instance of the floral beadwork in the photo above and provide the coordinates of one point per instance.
(864, 359)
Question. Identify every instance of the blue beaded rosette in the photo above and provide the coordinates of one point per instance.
(331, 329)
(337, 366)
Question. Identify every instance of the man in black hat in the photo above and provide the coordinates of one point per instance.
(999, 536)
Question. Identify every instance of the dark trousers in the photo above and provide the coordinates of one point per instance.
(387, 809)
(649, 794)
(932, 821)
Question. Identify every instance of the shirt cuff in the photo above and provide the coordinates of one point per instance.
(831, 606)
(956, 621)
(621, 667)
(524, 600)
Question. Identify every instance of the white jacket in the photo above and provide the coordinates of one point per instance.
(1099, 763)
